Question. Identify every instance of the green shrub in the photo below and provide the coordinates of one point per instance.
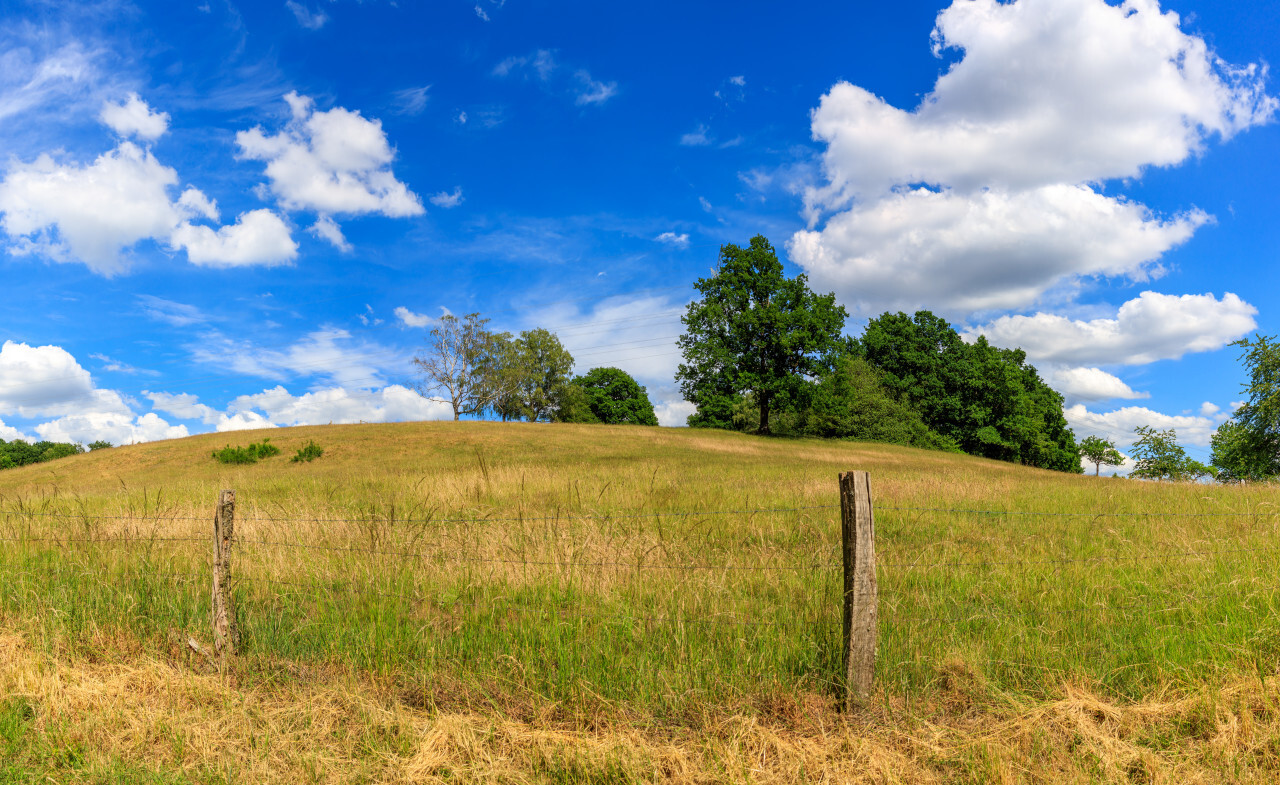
(249, 454)
(308, 453)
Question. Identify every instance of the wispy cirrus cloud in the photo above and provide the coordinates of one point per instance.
(542, 67)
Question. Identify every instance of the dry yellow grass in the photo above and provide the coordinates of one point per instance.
(127, 712)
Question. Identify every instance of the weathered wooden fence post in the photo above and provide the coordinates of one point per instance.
(858, 532)
(226, 633)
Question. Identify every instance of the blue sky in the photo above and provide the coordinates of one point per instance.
(217, 216)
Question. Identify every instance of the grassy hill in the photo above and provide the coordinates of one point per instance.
(535, 603)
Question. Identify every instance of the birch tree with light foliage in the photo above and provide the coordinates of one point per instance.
(457, 365)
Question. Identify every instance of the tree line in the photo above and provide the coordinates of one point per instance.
(764, 354)
(1244, 448)
(19, 453)
(483, 373)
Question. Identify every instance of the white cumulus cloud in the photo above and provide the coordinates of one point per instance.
(117, 428)
(1146, 329)
(37, 380)
(186, 406)
(92, 213)
(393, 403)
(277, 407)
(8, 433)
(334, 162)
(1089, 384)
(1048, 91)
(258, 237)
(135, 118)
(47, 381)
(992, 250)
(674, 413)
(97, 210)
(986, 196)
(1118, 425)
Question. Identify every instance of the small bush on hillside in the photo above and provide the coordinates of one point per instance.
(100, 445)
(249, 454)
(308, 453)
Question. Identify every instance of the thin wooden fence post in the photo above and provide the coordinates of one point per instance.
(861, 596)
(226, 633)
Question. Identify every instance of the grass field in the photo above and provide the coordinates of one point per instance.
(529, 603)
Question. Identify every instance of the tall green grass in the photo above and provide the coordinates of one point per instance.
(596, 577)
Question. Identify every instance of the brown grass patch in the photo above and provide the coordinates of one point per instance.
(332, 726)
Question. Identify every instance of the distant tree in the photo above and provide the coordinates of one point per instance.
(1261, 411)
(987, 400)
(1247, 447)
(51, 451)
(1240, 453)
(1158, 456)
(458, 362)
(544, 367)
(1100, 452)
(504, 370)
(575, 406)
(21, 453)
(613, 396)
(852, 403)
(754, 331)
(101, 444)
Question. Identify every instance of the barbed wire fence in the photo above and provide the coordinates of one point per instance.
(862, 609)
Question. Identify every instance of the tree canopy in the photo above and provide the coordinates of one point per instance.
(852, 403)
(987, 400)
(459, 362)
(1247, 447)
(20, 453)
(754, 331)
(1158, 456)
(613, 396)
(478, 371)
(541, 373)
(1100, 452)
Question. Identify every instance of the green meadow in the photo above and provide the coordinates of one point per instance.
(556, 603)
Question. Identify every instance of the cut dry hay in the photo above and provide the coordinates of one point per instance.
(126, 712)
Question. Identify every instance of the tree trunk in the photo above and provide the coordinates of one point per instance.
(764, 413)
